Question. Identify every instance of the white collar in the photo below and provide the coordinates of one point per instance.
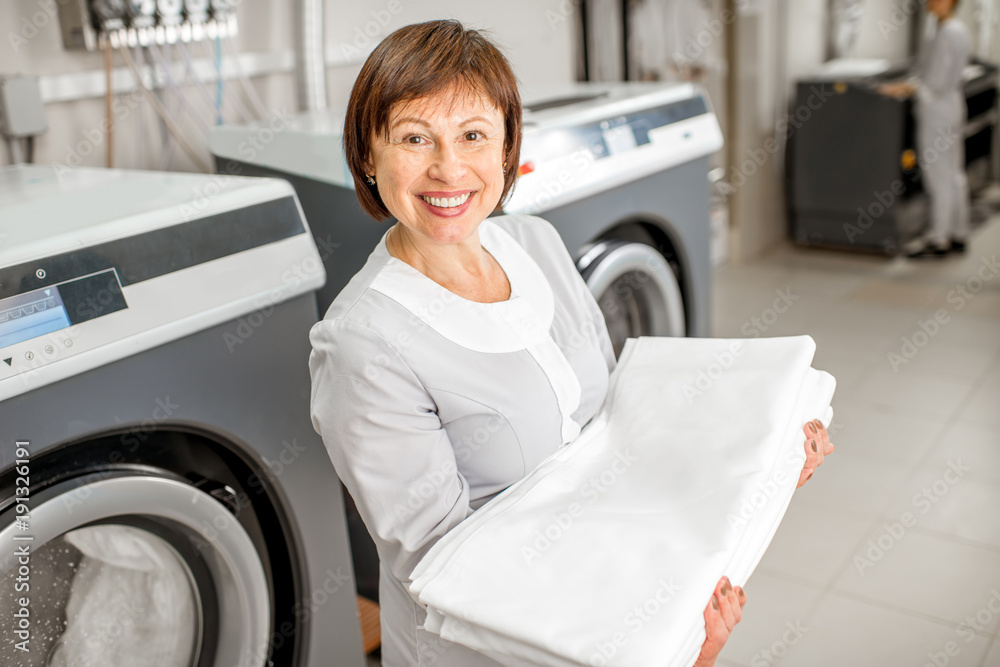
(505, 326)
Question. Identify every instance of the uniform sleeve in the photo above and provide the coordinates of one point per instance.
(382, 432)
(942, 71)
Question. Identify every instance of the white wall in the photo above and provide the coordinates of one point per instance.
(536, 35)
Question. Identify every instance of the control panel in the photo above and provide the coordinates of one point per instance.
(583, 144)
(139, 274)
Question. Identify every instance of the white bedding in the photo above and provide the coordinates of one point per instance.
(607, 552)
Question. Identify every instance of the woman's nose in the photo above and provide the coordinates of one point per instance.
(447, 165)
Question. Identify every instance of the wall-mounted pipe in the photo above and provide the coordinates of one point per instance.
(310, 66)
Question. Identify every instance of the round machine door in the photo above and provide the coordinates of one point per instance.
(120, 571)
(636, 290)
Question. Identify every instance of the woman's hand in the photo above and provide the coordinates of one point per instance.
(722, 613)
(818, 447)
(899, 90)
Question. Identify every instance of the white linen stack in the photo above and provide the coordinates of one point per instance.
(608, 552)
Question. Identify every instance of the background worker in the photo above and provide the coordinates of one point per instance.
(941, 116)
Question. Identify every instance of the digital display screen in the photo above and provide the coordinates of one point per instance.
(30, 315)
(42, 311)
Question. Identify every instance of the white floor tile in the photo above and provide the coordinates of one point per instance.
(882, 433)
(945, 359)
(983, 407)
(965, 329)
(976, 445)
(775, 608)
(993, 657)
(852, 484)
(845, 631)
(912, 390)
(812, 543)
(924, 574)
(948, 501)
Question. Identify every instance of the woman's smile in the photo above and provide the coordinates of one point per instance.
(448, 205)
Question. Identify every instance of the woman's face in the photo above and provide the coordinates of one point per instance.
(440, 173)
(940, 8)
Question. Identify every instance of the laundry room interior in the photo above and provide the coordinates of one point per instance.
(537, 332)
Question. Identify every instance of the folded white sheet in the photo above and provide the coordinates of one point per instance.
(607, 553)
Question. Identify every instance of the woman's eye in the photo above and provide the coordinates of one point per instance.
(413, 139)
(473, 136)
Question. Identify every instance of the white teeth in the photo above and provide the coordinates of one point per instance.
(447, 202)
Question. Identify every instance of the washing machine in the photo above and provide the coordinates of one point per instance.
(620, 169)
(164, 499)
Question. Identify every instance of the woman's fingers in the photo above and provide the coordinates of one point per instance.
(804, 476)
(739, 599)
(817, 446)
(716, 633)
(814, 453)
(727, 600)
(824, 438)
(723, 611)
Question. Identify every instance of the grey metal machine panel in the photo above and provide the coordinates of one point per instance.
(676, 201)
(245, 382)
(344, 234)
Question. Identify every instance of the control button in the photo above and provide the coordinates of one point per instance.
(29, 355)
(68, 342)
(40, 273)
(8, 360)
(49, 349)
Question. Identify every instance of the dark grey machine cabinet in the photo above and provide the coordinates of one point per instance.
(852, 169)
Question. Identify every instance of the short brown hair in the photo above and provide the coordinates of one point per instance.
(418, 61)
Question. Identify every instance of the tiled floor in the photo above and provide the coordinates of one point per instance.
(917, 429)
(918, 434)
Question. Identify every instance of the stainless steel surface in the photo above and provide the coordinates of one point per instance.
(636, 290)
(310, 64)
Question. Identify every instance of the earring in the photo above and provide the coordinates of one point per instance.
(504, 168)
(371, 180)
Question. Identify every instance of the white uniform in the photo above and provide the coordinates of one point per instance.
(430, 404)
(941, 116)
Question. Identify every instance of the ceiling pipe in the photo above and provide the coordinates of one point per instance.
(310, 61)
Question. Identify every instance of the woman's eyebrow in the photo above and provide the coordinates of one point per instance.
(480, 119)
(420, 121)
(409, 119)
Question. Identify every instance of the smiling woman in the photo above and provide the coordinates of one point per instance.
(468, 349)
(439, 62)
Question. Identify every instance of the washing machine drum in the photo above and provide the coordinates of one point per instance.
(636, 289)
(129, 578)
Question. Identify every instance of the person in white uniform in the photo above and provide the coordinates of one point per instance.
(468, 348)
(941, 116)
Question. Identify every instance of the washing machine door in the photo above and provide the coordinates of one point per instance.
(635, 288)
(119, 571)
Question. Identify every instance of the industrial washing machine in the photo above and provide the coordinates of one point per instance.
(164, 500)
(853, 176)
(620, 169)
